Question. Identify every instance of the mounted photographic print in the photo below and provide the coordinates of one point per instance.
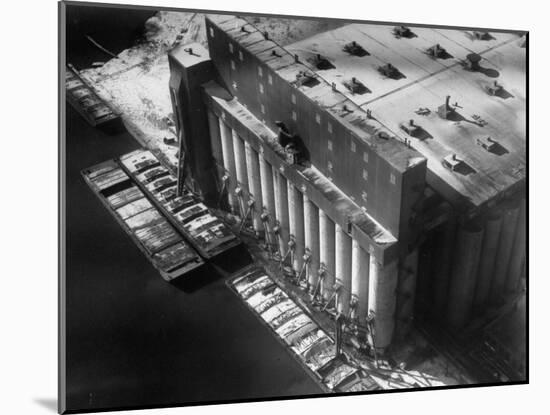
(273, 207)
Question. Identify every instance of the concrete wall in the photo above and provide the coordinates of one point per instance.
(186, 78)
(463, 278)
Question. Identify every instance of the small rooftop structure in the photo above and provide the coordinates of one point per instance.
(402, 31)
(437, 51)
(452, 162)
(190, 54)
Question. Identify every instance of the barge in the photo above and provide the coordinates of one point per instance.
(307, 342)
(84, 100)
(187, 213)
(160, 242)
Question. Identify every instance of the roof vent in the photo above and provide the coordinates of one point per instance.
(495, 89)
(390, 71)
(437, 51)
(321, 63)
(355, 86)
(452, 162)
(306, 79)
(487, 143)
(445, 111)
(410, 128)
(402, 31)
(353, 48)
(482, 35)
(415, 130)
(472, 62)
(274, 53)
(266, 35)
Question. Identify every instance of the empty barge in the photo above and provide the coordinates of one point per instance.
(204, 231)
(83, 99)
(163, 245)
(309, 344)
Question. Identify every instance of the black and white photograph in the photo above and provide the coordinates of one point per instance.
(280, 207)
(269, 207)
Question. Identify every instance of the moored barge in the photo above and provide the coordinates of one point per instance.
(187, 213)
(163, 245)
(83, 99)
(307, 342)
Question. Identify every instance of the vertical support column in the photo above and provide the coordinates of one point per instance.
(217, 155)
(506, 241)
(487, 260)
(406, 291)
(463, 281)
(360, 262)
(424, 294)
(518, 251)
(215, 142)
(268, 193)
(281, 197)
(229, 165)
(311, 225)
(255, 187)
(296, 224)
(343, 269)
(240, 167)
(326, 253)
(442, 267)
(382, 300)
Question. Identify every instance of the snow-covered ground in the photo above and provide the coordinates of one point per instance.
(136, 82)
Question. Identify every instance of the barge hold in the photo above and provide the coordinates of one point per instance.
(187, 213)
(149, 229)
(84, 100)
(310, 345)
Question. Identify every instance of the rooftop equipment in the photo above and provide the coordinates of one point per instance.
(452, 162)
(482, 35)
(402, 31)
(410, 128)
(389, 71)
(353, 48)
(305, 78)
(321, 62)
(436, 51)
(494, 89)
(355, 86)
(472, 62)
(445, 111)
(487, 143)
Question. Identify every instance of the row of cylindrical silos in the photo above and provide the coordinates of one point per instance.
(479, 263)
(320, 251)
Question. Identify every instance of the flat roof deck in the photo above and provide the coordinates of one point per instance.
(426, 83)
(502, 119)
(408, 55)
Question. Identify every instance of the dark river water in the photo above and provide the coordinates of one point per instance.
(133, 339)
